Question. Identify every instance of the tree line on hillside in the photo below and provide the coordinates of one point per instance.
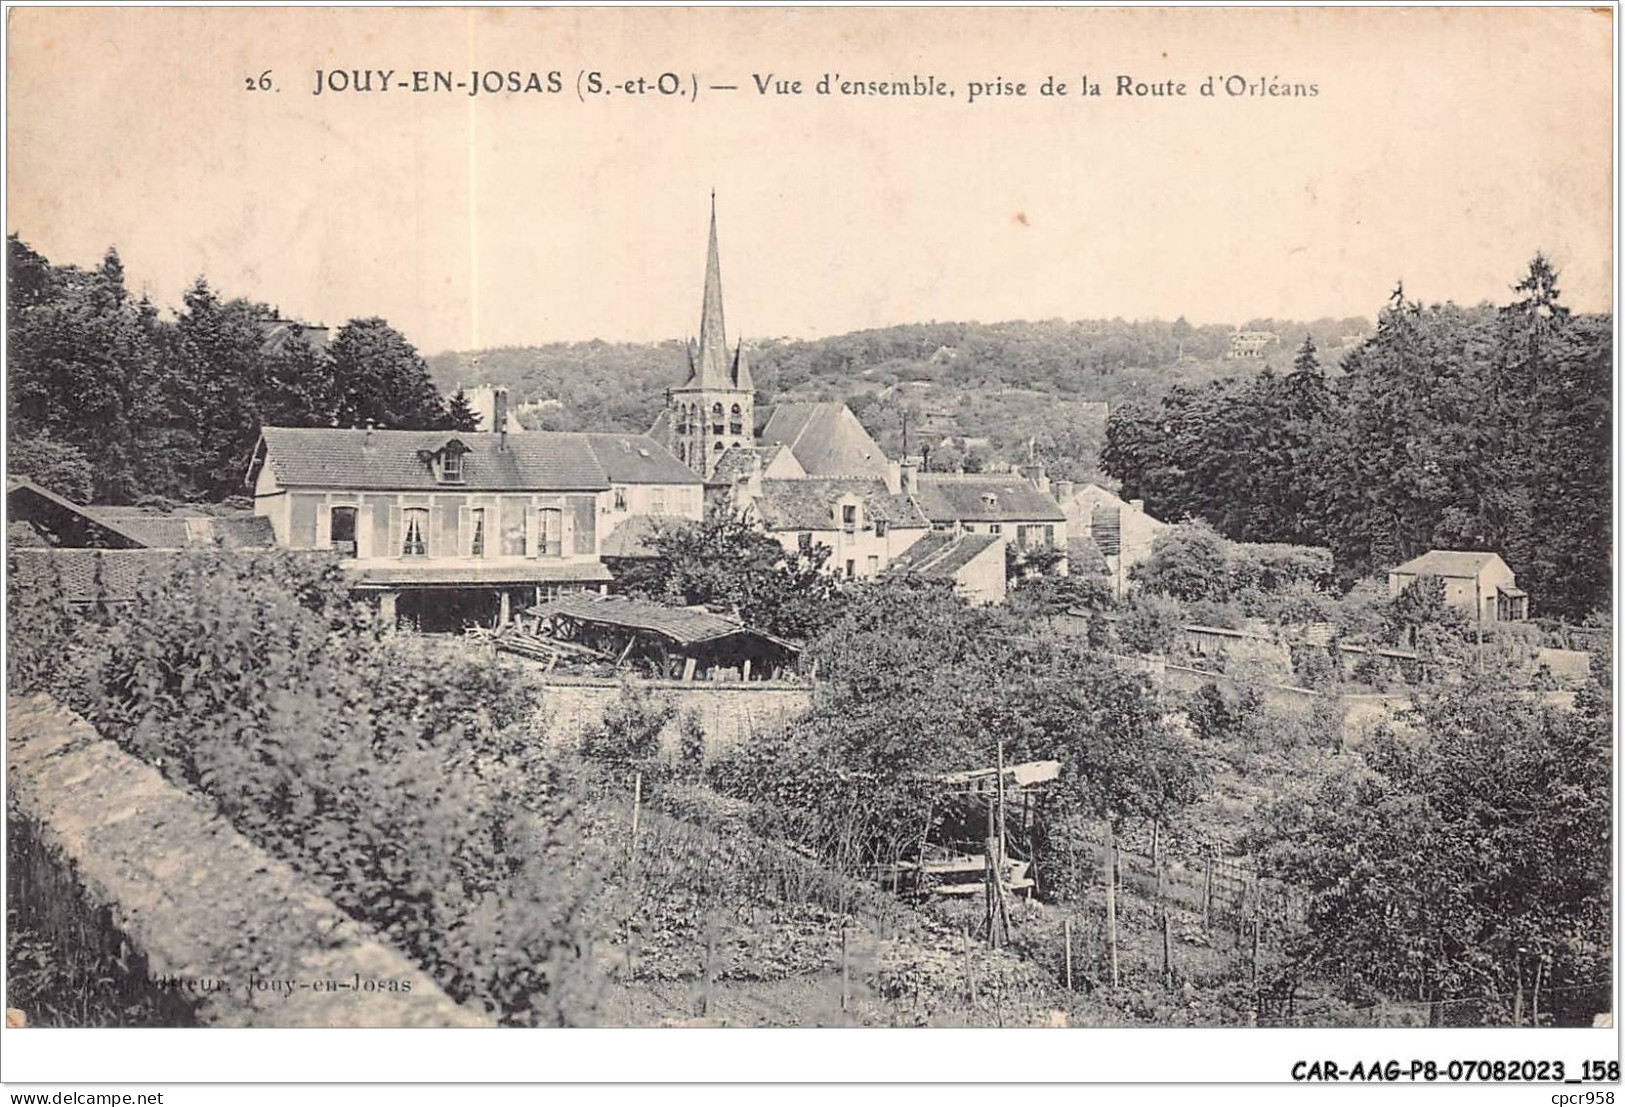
(1017, 383)
(1477, 428)
(110, 401)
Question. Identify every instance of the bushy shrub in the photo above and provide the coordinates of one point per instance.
(1150, 625)
(628, 736)
(411, 788)
(691, 744)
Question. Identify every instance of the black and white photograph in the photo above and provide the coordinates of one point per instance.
(718, 519)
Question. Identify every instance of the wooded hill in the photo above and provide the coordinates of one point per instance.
(1006, 382)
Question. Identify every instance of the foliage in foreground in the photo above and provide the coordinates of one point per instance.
(1466, 855)
(411, 789)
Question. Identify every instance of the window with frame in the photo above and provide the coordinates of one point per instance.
(513, 529)
(851, 569)
(874, 565)
(735, 421)
(620, 499)
(550, 532)
(804, 542)
(415, 532)
(476, 532)
(451, 467)
(341, 532)
(995, 528)
(849, 517)
(881, 526)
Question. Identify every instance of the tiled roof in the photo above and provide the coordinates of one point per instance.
(67, 520)
(637, 459)
(1447, 563)
(962, 498)
(826, 438)
(633, 538)
(808, 503)
(682, 625)
(327, 457)
(940, 555)
(1083, 557)
(175, 532)
(738, 462)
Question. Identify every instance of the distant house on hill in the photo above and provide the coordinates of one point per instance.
(1478, 582)
(972, 563)
(1250, 345)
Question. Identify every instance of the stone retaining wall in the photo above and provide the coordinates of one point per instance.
(729, 713)
(204, 926)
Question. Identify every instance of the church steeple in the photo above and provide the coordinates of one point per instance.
(711, 412)
(711, 366)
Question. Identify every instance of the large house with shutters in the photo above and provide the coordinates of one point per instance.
(450, 527)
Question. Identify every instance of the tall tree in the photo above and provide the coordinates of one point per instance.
(380, 379)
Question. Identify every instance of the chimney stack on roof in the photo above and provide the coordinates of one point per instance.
(499, 409)
(1063, 490)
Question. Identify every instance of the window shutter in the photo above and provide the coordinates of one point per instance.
(566, 535)
(532, 545)
(324, 526)
(465, 532)
(363, 531)
(394, 531)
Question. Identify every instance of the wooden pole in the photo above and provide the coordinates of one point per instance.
(1111, 899)
(1066, 933)
(846, 980)
(1207, 892)
(970, 978)
(637, 810)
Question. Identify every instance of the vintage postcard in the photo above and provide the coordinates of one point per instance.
(1075, 518)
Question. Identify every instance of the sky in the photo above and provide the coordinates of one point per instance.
(1444, 147)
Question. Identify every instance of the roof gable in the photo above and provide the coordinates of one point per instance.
(940, 556)
(826, 438)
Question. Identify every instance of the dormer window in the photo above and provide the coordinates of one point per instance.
(989, 499)
(447, 462)
(849, 518)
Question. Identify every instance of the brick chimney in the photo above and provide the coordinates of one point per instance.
(499, 409)
(894, 477)
(909, 475)
(1034, 472)
(1063, 490)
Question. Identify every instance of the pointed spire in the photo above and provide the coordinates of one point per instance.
(712, 370)
(742, 368)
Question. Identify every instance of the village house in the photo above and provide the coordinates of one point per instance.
(1475, 581)
(1119, 530)
(1017, 506)
(449, 527)
(974, 564)
(864, 524)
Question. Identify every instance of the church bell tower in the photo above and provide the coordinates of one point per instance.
(713, 410)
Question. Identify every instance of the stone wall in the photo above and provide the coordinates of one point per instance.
(728, 713)
(201, 925)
